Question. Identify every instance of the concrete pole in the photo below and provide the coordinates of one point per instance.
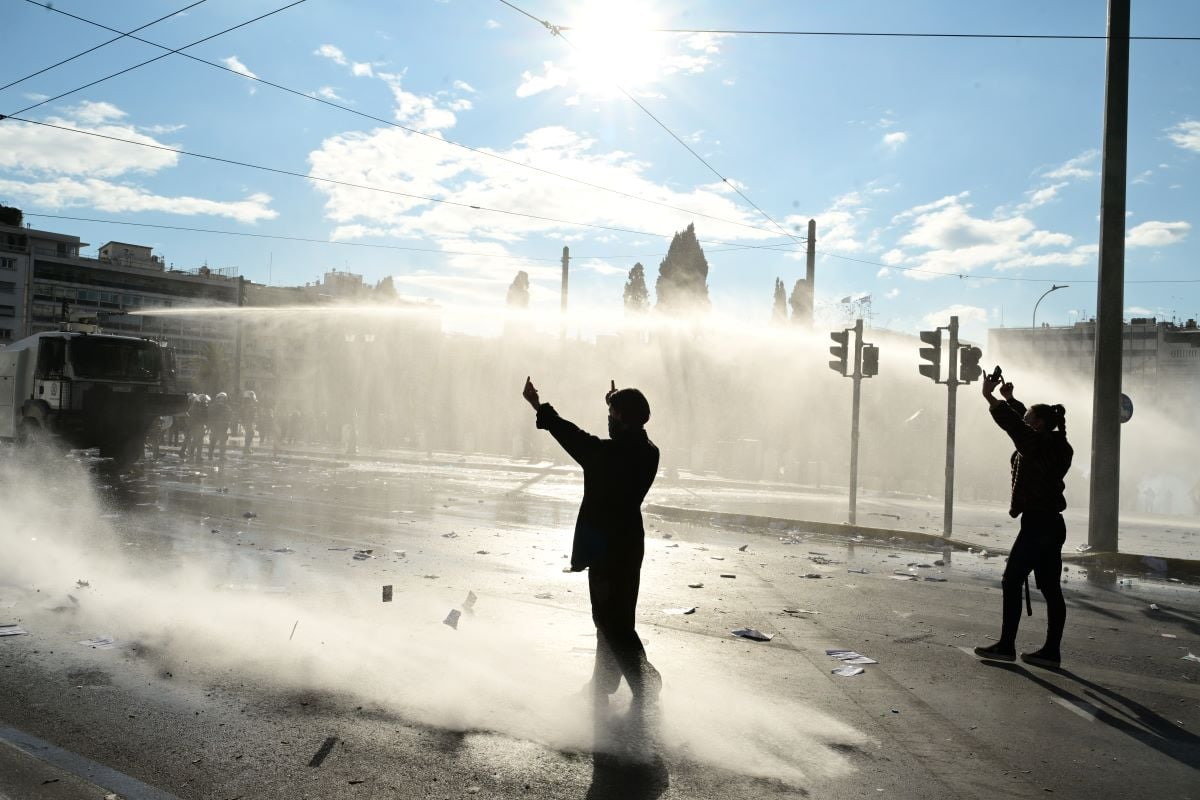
(857, 376)
(810, 268)
(1104, 499)
(951, 414)
(237, 344)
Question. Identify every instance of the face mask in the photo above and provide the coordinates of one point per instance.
(614, 428)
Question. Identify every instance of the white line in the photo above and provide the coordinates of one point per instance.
(105, 777)
(1076, 708)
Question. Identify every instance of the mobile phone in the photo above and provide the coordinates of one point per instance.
(997, 375)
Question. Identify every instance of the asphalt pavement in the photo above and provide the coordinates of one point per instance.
(253, 654)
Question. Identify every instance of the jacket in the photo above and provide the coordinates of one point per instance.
(617, 474)
(1039, 463)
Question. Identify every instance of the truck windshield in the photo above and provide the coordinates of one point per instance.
(115, 359)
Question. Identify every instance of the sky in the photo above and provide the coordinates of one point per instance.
(916, 156)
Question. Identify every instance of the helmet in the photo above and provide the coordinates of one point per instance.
(249, 395)
(221, 396)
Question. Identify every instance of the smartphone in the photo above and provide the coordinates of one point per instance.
(997, 375)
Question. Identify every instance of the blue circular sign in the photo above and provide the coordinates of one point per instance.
(1126, 407)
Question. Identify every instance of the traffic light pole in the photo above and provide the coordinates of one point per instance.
(951, 413)
(857, 376)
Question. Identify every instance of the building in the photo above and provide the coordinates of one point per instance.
(1159, 358)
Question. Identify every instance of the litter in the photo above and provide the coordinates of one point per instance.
(1188, 657)
(481, 552)
(939, 563)
(858, 570)
(469, 604)
(799, 611)
(430, 577)
(12, 630)
(82, 584)
(544, 596)
(813, 575)
(753, 635)
(934, 579)
(249, 515)
(728, 575)
(399, 553)
(100, 643)
(742, 549)
(903, 577)
(1083, 548)
(850, 657)
(1169, 636)
(363, 555)
(452, 618)
(717, 558)
(387, 593)
(679, 611)
(695, 585)
(848, 671)
(283, 550)
(450, 535)
(1154, 607)
(295, 625)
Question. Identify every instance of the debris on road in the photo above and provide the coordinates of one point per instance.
(935, 579)
(249, 515)
(363, 555)
(717, 558)
(100, 643)
(679, 611)
(753, 635)
(283, 550)
(1188, 657)
(82, 584)
(742, 549)
(813, 575)
(295, 625)
(452, 618)
(1083, 548)
(857, 570)
(543, 596)
(728, 575)
(695, 585)
(1154, 607)
(799, 611)
(848, 671)
(469, 604)
(387, 593)
(12, 630)
(482, 552)
(1169, 636)
(903, 577)
(850, 657)
(450, 535)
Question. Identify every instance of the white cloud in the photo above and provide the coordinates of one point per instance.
(33, 149)
(491, 24)
(892, 294)
(90, 113)
(237, 66)
(362, 69)
(1157, 234)
(1139, 311)
(1075, 168)
(329, 93)
(1143, 177)
(894, 139)
(422, 112)
(160, 129)
(1186, 134)
(964, 313)
(463, 86)
(728, 82)
(1039, 197)
(102, 195)
(709, 43)
(550, 78)
(334, 54)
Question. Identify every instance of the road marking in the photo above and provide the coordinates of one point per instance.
(105, 777)
(1076, 707)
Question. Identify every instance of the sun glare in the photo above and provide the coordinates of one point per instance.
(612, 46)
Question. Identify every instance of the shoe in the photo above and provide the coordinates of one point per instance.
(1041, 658)
(996, 653)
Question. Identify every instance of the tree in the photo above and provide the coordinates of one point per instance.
(518, 292)
(682, 285)
(386, 289)
(779, 312)
(637, 296)
(801, 302)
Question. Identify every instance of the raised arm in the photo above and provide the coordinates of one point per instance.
(1009, 415)
(579, 444)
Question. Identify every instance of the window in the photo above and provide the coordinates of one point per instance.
(6, 334)
(8, 263)
(8, 286)
(8, 311)
(115, 359)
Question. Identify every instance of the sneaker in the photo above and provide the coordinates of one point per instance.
(1041, 658)
(996, 653)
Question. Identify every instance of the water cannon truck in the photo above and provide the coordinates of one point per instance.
(87, 389)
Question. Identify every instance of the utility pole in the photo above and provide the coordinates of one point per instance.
(951, 413)
(857, 376)
(237, 342)
(1104, 497)
(810, 268)
(566, 264)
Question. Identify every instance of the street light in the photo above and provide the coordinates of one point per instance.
(1053, 288)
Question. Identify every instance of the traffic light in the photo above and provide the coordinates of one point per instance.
(839, 350)
(932, 354)
(870, 360)
(969, 369)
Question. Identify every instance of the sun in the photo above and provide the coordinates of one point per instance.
(613, 45)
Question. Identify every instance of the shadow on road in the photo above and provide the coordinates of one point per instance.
(627, 762)
(1118, 712)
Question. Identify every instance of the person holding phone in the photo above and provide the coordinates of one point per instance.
(609, 537)
(1039, 464)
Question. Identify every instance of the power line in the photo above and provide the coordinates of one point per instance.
(156, 58)
(556, 30)
(394, 124)
(893, 34)
(123, 34)
(351, 185)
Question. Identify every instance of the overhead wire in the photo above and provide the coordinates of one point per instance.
(122, 35)
(152, 60)
(352, 185)
(893, 34)
(556, 30)
(394, 124)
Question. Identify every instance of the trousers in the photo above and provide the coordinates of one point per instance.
(1038, 549)
(619, 651)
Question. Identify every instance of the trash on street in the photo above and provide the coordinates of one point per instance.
(695, 585)
(679, 611)
(848, 671)
(858, 570)
(850, 657)
(387, 593)
(452, 618)
(100, 643)
(728, 575)
(469, 604)
(12, 630)
(753, 635)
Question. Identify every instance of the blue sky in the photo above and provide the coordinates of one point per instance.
(954, 155)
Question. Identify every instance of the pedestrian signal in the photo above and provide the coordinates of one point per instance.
(870, 360)
(932, 354)
(968, 368)
(839, 350)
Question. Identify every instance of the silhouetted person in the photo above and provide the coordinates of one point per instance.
(1038, 466)
(220, 415)
(609, 537)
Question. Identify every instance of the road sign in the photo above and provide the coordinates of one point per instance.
(1126, 408)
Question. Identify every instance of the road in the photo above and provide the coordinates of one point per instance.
(254, 657)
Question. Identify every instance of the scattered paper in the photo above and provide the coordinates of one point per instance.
(363, 555)
(249, 515)
(12, 630)
(850, 657)
(753, 635)
(717, 558)
(858, 570)
(679, 611)
(742, 549)
(469, 604)
(544, 596)
(848, 671)
(387, 593)
(1083, 548)
(1169, 636)
(100, 643)
(903, 577)
(813, 575)
(935, 579)
(728, 575)
(1188, 657)
(1154, 606)
(799, 611)
(695, 585)
(452, 618)
(450, 535)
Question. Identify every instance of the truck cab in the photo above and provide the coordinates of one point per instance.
(87, 389)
